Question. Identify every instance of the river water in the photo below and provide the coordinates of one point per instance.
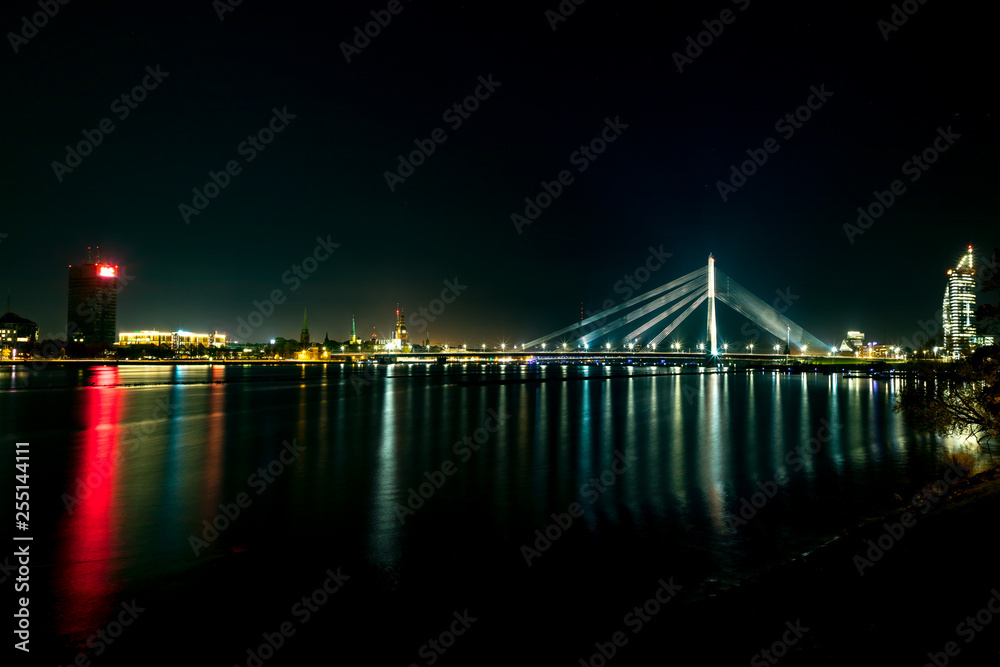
(218, 497)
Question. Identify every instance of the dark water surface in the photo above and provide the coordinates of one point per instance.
(646, 467)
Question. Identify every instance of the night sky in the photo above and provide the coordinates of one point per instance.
(343, 124)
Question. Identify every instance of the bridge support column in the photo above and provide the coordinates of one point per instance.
(712, 335)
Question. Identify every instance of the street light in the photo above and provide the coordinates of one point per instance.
(503, 347)
(777, 346)
(751, 347)
(725, 347)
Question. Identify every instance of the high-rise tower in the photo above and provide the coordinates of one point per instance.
(959, 307)
(92, 306)
(304, 337)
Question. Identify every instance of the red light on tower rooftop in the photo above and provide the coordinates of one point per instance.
(106, 271)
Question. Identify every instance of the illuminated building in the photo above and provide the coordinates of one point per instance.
(400, 338)
(172, 339)
(16, 332)
(853, 344)
(92, 306)
(401, 335)
(354, 337)
(959, 307)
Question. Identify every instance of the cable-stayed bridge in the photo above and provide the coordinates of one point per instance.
(661, 310)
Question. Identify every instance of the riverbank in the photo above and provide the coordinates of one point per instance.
(882, 593)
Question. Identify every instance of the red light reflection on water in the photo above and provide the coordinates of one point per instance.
(88, 583)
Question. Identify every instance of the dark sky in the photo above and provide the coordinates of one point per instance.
(323, 175)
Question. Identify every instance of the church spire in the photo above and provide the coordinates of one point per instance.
(304, 338)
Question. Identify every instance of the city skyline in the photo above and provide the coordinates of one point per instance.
(798, 145)
(970, 290)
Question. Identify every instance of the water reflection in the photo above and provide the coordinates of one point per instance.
(172, 452)
(87, 578)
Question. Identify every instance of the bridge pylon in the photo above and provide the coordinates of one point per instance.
(712, 329)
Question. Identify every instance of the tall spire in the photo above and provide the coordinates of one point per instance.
(304, 338)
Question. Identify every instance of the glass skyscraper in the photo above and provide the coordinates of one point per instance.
(959, 308)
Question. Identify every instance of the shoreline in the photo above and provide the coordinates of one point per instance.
(895, 611)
